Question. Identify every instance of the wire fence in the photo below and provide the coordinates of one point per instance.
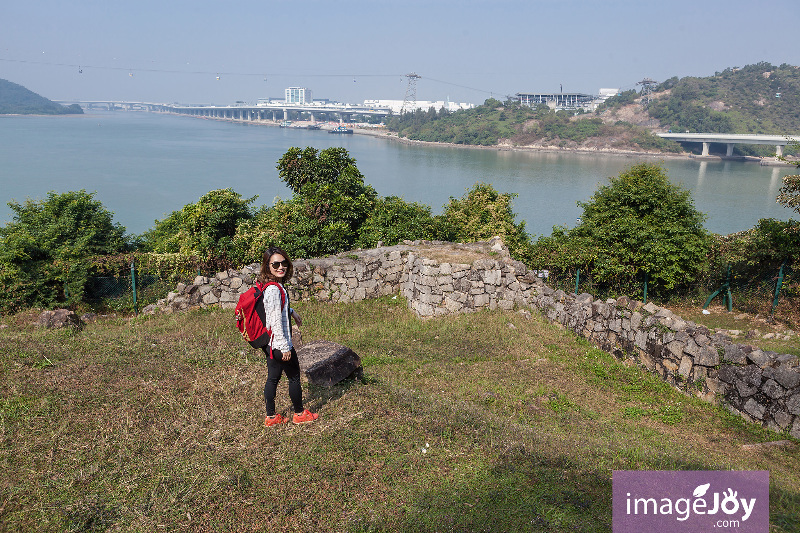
(128, 283)
(773, 291)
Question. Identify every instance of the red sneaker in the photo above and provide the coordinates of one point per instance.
(305, 417)
(275, 420)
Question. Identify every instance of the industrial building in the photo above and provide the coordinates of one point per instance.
(566, 101)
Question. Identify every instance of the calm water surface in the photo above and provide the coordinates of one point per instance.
(144, 166)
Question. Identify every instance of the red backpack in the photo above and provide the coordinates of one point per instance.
(250, 315)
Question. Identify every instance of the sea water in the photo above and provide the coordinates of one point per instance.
(142, 166)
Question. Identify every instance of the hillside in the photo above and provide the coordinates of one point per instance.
(511, 124)
(759, 98)
(17, 100)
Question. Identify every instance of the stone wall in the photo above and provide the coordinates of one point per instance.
(444, 278)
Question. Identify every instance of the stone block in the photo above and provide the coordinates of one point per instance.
(669, 365)
(708, 356)
(782, 419)
(761, 358)
(602, 309)
(423, 309)
(651, 308)
(59, 318)
(675, 349)
(772, 389)
(685, 368)
(209, 298)
(692, 348)
(636, 320)
(640, 340)
(327, 363)
(228, 296)
(506, 305)
(795, 431)
(745, 389)
(734, 353)
(755, 409)
(481, 300)
(793, 404)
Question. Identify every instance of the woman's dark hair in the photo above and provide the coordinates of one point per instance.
(265, 275)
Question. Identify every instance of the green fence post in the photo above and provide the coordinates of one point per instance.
(646, 274)
(133, 286)
(577, 280)
(777, 289)
(728, 290)
(725, 290)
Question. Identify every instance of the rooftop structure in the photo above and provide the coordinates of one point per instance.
(556, 100)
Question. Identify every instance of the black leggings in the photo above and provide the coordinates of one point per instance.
(275, 367)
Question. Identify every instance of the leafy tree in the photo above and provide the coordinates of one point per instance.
(481, 214)
(640, 223)
(789, 193)
(205, 228)
(330, 204)
(44, 250)
(393, 220)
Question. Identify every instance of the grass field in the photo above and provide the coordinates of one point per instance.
(480, 422)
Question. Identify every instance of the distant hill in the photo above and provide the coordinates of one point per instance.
(17, 100)
(759, 98)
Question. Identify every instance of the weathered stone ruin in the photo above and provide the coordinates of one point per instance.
(439, 278)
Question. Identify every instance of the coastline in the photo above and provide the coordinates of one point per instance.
(764, 161)
(630, 154)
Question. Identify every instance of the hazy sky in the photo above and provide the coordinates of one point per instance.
(351, 50)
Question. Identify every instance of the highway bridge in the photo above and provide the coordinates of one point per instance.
(243, 112)
(779, 141)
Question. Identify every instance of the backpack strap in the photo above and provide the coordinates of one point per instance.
(281, 290)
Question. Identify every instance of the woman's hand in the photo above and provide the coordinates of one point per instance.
(285, 356)
(297, 319)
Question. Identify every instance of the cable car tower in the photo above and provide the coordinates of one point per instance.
(410, 101)
(647, 88)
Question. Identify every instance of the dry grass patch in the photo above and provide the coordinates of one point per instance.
(461, 423)
(453, 254)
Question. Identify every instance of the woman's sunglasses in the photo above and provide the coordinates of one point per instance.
(277, 264)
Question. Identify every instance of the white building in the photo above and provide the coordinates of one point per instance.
(397, 105)
(298, 95)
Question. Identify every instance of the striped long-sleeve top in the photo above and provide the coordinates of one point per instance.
(278, 318)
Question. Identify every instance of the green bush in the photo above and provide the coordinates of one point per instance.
(205, 228)
(481, 214)
(393, 220)
(640, 223)
(44, 250)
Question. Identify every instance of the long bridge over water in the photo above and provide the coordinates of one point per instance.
(730, 139)
(243, 112)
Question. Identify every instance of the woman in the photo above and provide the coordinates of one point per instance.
(281, 356)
